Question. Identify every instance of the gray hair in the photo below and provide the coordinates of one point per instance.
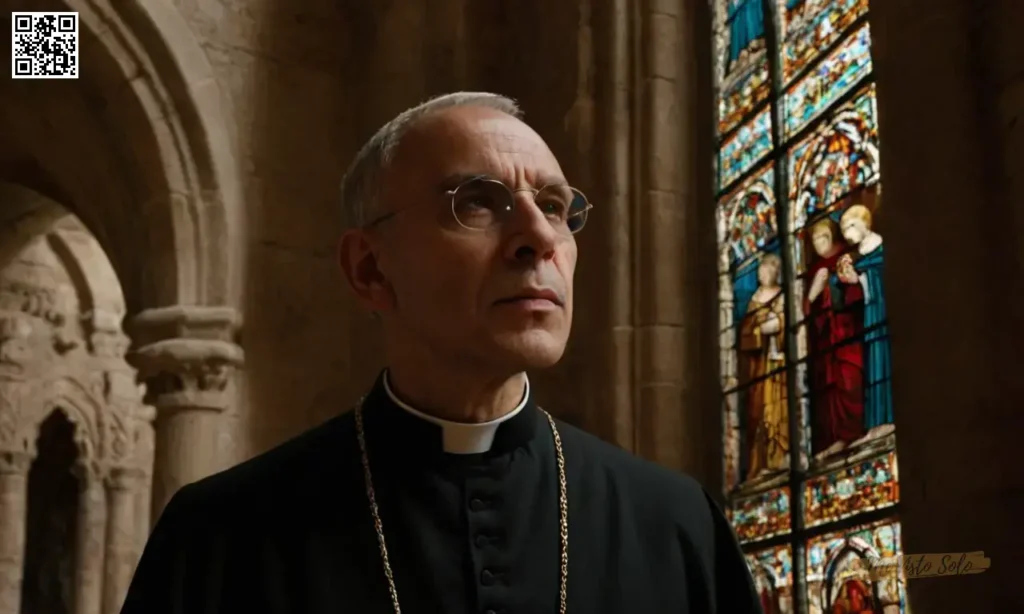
(359, 186)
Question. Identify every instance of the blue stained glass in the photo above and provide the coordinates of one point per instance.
(748, 146)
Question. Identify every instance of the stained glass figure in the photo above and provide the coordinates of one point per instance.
(753, 321)
(861, 487)
(812, 26)
(834, 76)
(847, 571)
(772, 569)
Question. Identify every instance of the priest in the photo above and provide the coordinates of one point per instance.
(447, 489)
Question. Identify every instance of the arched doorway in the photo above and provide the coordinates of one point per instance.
(138, 149)
(75, 438)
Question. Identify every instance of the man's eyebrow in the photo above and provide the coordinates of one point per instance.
(454, 180)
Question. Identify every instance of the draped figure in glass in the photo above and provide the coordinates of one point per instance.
(833, 311)
(762, 349)
(865, 266)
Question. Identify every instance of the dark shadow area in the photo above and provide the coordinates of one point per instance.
(49, 581)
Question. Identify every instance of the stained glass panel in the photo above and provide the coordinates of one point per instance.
(746, 219)
(741, 93)
(831, 78)
(839, 571)
(811, 26)
(761, 516)
(739, 36)
(772, 570)
(836, 159)
(804, 350)
(868, 485)
(745, 148)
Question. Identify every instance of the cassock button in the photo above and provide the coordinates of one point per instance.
(481, 540)
(487, 577)
(477, 505)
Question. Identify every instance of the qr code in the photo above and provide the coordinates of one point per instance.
(44, 46)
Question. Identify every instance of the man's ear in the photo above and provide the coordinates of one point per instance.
(361, 267)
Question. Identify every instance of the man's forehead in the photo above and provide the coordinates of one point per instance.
(472, 141)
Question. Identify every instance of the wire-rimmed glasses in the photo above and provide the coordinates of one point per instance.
(483, 203)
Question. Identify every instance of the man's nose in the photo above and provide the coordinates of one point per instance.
(531, 235)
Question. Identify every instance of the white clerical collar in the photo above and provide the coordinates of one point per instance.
(462, 437)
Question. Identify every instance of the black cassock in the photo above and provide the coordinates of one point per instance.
(290, 532)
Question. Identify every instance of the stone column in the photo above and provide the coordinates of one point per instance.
(674, 250)
(954, 283)
(14, 467)
(144, 492)
(121, 535)
(187, 357)
(89, 547)
(659, 342)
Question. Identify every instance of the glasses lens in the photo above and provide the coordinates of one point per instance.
(481, 203)
(566, 207)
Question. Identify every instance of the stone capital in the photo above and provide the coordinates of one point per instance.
(125, 478)
(185, 322)
(184, 374)
(186, 355)
(15, 462)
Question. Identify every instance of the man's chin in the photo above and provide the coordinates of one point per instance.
(534, 349)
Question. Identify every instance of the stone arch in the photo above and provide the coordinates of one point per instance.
(82, 409)
(151, 148)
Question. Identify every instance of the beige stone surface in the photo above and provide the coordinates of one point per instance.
(201, 151)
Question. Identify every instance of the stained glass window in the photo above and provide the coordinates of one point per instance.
(811, 473)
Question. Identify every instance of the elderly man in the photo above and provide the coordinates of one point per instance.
(447, 489)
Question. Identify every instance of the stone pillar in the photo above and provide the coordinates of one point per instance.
(89, 546)
(674, 248)
(144, 492)
(14, 467)
(121, 535)
(187, 357)
(954, 283)
(659, 343)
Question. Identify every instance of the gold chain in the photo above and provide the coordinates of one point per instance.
(563, 512)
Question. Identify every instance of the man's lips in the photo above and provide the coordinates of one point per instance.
(540, 294)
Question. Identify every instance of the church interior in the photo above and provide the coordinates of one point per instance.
(781, 189)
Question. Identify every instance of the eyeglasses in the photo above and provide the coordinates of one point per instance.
(482, 203)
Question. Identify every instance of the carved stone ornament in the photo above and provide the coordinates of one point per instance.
(187, 373)
(187, 356)
(17, 462)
